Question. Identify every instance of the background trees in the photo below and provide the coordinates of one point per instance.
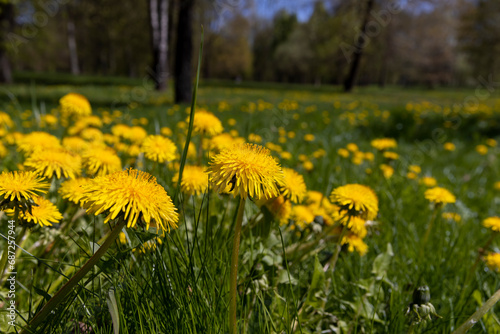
(422, 43)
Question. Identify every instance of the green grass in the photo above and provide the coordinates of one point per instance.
(182, 286)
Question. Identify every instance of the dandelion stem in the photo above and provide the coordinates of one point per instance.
(428, 232)
(478, 314)
(233, 280)
(60, 296)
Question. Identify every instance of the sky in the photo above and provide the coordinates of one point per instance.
(267, 8)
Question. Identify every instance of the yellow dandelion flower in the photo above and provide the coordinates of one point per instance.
(3, 151)
(496, 185)
(21, 185)
(133, 193)
(493, 261)
(231, 122)
(415, 169)
(449, 146)
(356, 225)
(387, 170)
(222, 141)
(206, 123)
(439, 195)
(158, 148)
(135, 134)
(382, 144)
(48, 121)
(356, 200)
(294, 186)
(369, 156)
(100, 161)
(133, 150)
(493, 223)
(343, 152)
(309, 137)
(302, 216)
(391, 155)
(254, 138)
(358, 158)
(194, 180)
(491, 142)
(248, 169)
(36, 141)
(149, 246)
(166, 131)
(75, 144)
(428, 181)
(122, 238)
(482, 149)
(274, 147)
(452, 216)
(411, 175)
(92, 135)
(74, 104)
(308, 165)
(355, 243)
(5, 120)
(280, 209)
(120, 130)
(303, 157)
(58, 163)
(352, 147)
(72, 190)
(286, 155)
(43, 213)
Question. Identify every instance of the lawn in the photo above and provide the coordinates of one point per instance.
(306, 265)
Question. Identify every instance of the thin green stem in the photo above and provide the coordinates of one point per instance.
(474, 319)
(60, 296)
(428, 232)
(233, 280)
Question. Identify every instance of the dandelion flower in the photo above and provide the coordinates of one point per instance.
(452, 216)
(248, 169)
(343, 152)
(357, 200)
(302, 216)
(3, 150)
(135, 134)
(75, 144)
(280, 209)
(194, 180)
(382, 144)
(352, 147)
(21, 185)
(493, 223)
(482, 149)
(133, 193)
(428, 181)
(493, 261)
(43, 213)
(294, 186)
(5, 120)
(72, 190)
(101, 160)
(55, 163)
(491, 142)
(158, 148)
(37, 141)
(206, 123)
(92, 135)
(355, 243)
(356, 225)
(439, 195)
(449, 146)
(74, 104)
(391, 155)
(309, 137)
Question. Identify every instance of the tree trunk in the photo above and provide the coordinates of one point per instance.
(6, 26)
(353, 71)
(158, 20)
(183, 52)
(73, 52)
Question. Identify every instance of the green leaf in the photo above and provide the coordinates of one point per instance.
(42, 293)
(316, 292)
(364, 308)
(113, 310)
(382, 262)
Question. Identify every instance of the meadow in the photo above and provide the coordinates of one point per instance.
(414, 249)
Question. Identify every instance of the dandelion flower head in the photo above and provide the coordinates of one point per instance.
(158, 148)
(194, 180)
(206, 123)
(439, 195)
(133, 193)
(356, 200)
(72, 190)
(43, 213)
(249, 170)
(493, 223)
(294, 186)
(21, 185)
(57, 162)
(74, 104)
